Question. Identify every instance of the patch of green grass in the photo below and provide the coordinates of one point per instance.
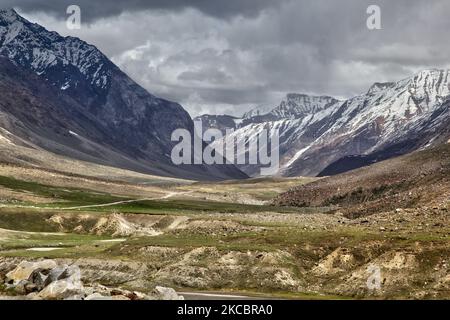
(188, 206)
(186, 241)
(69, 245)
(34, 220)
(30, 240)
(267, 240)
(25, 220)
(70, 196)
(73, 252)
(420, 237)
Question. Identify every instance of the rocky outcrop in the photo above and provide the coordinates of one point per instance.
(25, 270)
(63, 282)
(48, 280)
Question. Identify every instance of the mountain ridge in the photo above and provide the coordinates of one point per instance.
(387, 117)
(132, 121)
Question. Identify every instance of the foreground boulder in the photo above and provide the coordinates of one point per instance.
(98, 296)
(163, 293)
(47, 280)
(24, 270)
(68, 284)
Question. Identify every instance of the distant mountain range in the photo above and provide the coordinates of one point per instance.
(325, 136)
(63, 95)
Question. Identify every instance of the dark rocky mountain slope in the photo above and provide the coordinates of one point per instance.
(64, 95)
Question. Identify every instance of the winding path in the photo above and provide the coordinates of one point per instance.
(167, 196)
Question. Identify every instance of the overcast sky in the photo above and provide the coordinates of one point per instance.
(226, 56)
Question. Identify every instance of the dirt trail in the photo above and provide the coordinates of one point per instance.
(8, 232)
(167, 196)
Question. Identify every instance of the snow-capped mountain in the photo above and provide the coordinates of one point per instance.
(102, 106)
(390, 119)
(47, 53)
(297, 106)
(383, 121)
(221, 122)
(294, 117)
(294, 106)
(260, 110)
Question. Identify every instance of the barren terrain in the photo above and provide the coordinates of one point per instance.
(135, 232)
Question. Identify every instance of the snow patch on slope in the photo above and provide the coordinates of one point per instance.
(17, 36)
(4, 136)
(296, 156)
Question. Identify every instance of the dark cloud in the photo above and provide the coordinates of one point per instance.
(107, 8)
(227, 56)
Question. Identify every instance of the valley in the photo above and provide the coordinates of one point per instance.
(94, 205)
(229, 237)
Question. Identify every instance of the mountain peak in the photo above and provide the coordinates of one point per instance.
(431, 73)
(294, 105)
(9, 15)
(297, 96)
(425, 85)
(430, 82)
(379, 86)
(31, 45)
(298, 105)
(290, 96)
(67, 89)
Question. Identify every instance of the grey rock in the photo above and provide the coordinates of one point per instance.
(69, 284)
(24, 270)
(75, 297)
(20, 287)
(61, 289)
(98, 296)
(55, 274)
(163, 293)
(39, 278)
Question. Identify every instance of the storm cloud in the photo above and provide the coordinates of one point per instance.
(229, 56)
(107, 8)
